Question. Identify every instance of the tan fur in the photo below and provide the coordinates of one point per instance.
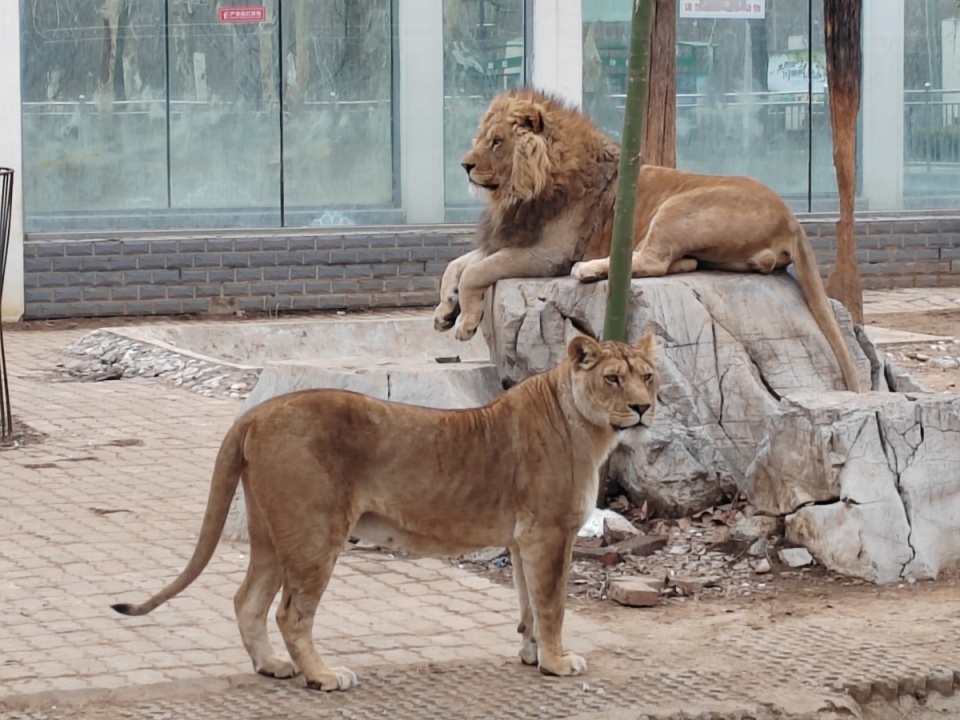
(550, 179)
(521, 473)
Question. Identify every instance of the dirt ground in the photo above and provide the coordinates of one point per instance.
(935, 364)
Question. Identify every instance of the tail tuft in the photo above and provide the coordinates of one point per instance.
(125, 609)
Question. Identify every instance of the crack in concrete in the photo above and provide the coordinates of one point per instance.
(890, 452)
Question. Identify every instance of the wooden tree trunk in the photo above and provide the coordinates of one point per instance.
(841, 20)
(659, 145)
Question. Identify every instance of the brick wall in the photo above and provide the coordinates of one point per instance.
(299, 270)
(922, 251)
(291, 271)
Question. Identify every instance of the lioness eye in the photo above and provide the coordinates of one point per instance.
(612, 379)
(648, 378)
(496, 143)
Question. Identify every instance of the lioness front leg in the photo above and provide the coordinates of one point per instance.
(449, 307)
(545, 559)
(526, 627)
(508, 263)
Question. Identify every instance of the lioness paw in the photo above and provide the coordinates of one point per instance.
(528, 651)
(565, 665)
(277, 667)
(339, 678)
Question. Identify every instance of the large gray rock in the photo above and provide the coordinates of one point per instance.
(870, 484)
(733, 345)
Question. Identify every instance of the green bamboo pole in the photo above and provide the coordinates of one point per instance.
(621, 250)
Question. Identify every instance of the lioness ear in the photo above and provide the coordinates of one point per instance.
(649, 346)
(584, 351)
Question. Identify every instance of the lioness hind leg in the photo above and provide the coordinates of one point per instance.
(527, 626)
(252, 601)
(545, 559)
(305, 578)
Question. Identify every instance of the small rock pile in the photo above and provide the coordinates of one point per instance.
(726, 552)
(104, 355)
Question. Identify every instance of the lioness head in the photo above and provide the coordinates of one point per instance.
(508, 158)
(615, 383)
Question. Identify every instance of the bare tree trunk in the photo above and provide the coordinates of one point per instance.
(302, 51)
(268, 82)
(841, 20)
(659, 145)
(114, 13)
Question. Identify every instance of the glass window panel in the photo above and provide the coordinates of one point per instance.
(742, 97)
(931, 124)
(338, 143)
(94, 115)
(483, 54)
(224, 115)
(823, 174)
(742, 91)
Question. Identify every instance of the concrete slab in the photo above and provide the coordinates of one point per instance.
(886, 336)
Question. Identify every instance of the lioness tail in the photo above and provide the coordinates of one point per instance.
(808, 274)
(226, 477)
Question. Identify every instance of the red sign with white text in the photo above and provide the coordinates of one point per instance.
(242, 14)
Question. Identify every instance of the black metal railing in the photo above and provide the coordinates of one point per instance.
(6, 216)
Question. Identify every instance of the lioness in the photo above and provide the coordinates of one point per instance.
(521, 472)
(549, 178)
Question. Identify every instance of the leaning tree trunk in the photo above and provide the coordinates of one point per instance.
(621, 249)
(841, 21)
(659, 146)
(115, 16)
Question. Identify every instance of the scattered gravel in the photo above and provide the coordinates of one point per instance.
(729, 554)
(103, 355)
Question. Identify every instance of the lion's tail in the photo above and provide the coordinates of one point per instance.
(223, 486)
(808, 274)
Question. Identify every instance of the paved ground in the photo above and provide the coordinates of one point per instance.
(105, 506)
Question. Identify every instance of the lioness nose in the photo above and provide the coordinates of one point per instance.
(468, 166)
(640, 409)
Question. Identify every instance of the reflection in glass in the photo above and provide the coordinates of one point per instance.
(483, 51)
(224, 117)
(338, 121)
(743, 100)
(931, 123)
(94, 117)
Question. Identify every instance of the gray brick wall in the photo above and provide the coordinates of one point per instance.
(377, 268)
(166, 275)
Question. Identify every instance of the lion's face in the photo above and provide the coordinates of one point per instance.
(508, 157)
(613, 383)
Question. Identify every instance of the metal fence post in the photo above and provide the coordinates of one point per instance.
(6, 216)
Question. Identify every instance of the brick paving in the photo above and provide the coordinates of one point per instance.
(105, 508)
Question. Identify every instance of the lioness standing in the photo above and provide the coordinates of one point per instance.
(521, 472)
(549, 178)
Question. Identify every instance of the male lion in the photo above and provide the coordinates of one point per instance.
(549, 177)
(521, 472)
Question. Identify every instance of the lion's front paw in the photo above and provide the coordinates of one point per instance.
(446, 314)
(591, 271)
(564, 665)
(466, 326)
(277, 667)
(339, 678)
